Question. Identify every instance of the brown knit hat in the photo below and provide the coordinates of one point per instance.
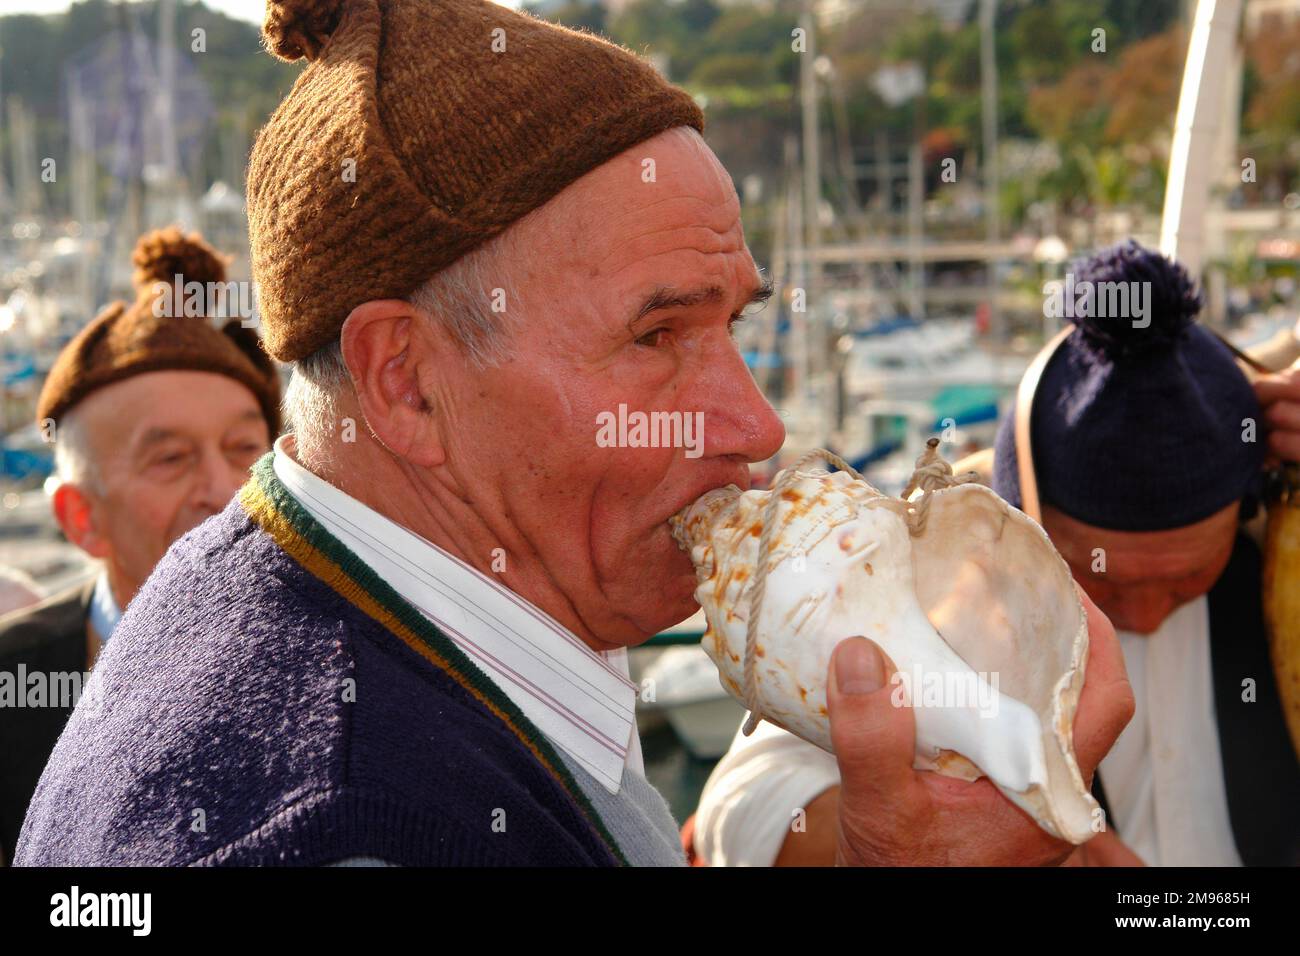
(125, 340)
(409, 140)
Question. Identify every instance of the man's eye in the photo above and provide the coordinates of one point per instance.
(736, 320)
(245, 449)
(652, 339)
(171, 460)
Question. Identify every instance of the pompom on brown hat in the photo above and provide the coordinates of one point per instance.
(419, 130)
(130, 339)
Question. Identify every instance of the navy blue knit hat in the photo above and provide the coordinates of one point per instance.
(1138, 429)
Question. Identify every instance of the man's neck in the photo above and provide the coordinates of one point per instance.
(437, 509)
(122, 588)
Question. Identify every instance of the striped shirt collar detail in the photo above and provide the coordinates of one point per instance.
(582, 703)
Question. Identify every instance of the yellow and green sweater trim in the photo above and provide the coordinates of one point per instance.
(274, 509)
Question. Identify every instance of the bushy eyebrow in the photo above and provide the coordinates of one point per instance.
(665, 297)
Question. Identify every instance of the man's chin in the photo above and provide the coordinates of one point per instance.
(662, 606)
(663, 592)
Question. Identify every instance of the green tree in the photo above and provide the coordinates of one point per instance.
(578, 14)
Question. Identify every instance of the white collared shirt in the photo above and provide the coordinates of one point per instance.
(582, 700)
(104, 612)
(1164, 776)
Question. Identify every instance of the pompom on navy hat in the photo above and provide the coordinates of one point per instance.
(1141, 428)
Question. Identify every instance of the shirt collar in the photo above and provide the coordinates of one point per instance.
(104, 612)
(581, 700)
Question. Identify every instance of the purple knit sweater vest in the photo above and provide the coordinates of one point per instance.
(268, 700)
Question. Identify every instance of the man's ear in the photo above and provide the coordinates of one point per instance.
(75, 512)
(384, 352)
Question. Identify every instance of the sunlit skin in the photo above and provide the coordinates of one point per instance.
(507, 458)
(171, 448)
(1147, 574)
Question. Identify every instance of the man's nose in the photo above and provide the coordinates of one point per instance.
(216, 482)
(738, 420)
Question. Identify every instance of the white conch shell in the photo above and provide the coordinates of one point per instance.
(977, 599)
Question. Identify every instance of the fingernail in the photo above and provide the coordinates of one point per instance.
(859, 668)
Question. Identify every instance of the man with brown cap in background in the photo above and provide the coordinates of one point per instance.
(156, 419)
(474, 234)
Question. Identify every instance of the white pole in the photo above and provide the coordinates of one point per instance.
(811, 184)
(992, 175)
(1196, 131)
(166, 104)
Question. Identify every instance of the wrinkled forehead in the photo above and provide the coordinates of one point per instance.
(668, 184)
(121, 417)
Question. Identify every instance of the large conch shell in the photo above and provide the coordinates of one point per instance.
(964, 593)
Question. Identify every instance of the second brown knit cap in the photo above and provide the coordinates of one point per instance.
(421, 129)
(130, 339)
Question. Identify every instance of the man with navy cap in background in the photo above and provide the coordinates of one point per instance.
(1148, 446)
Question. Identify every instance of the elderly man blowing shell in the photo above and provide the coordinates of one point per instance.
(473, 233)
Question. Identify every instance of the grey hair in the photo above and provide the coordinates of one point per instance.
(462, 297)
(74, 460)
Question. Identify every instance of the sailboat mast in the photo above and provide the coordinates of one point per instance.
(811, 180)
(992, 180)
(1196, 131)
(166, 103)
